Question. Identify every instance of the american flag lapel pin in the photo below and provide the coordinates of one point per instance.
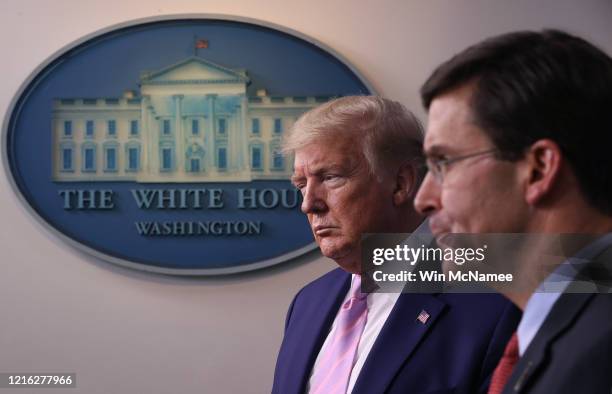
(423, 316)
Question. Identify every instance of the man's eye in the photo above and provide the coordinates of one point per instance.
(438, 158)
(330, 177)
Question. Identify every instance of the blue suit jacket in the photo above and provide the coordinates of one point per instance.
(456, 351)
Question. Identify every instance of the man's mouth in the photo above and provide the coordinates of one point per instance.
(323, 230)
(439, 231)
(436, 229)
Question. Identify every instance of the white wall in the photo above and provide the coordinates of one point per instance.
(129, 332)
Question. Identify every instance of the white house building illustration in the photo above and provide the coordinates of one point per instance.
(190, 122)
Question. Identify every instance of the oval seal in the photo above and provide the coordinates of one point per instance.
(155, 144)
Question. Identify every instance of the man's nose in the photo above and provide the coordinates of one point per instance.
(427, 200)
(313, 199)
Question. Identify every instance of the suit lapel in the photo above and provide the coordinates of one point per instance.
(315, 326)
(564, 312)
(397, 340)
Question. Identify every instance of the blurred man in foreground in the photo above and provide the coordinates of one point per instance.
(358, 165)
(519, 138)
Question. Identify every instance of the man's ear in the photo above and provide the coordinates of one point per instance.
(405, 184)
(544, 159)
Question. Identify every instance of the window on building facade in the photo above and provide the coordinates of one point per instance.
(67, 159)
(89, 128)
(278, 125)
(222, 158)
(111, 159)
(194, 165)
(256, 157)
(255, 126)
(112, 127)
(194, 153)
(277, 161)
(89, 159)
(166, 126)
(133, 127)
(166, 162)
(195, 127)
(68, 128)
(133, 159)
(222, 126)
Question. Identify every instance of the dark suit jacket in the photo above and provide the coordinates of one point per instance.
(572, 351)
(456, 351)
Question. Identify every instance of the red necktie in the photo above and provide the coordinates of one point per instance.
(506, 365)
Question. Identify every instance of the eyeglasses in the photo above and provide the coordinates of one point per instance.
(439, 167)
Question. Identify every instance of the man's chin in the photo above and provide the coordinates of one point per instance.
(348, 259)
(442, 239)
